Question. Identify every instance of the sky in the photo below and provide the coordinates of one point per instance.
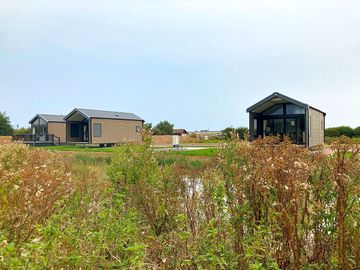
(196, 63)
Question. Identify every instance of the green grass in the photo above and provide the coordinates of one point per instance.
(210, 152)
(76, 148)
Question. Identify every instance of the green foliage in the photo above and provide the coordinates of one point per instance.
(22, 130)
(210, 152)
(5, 126)
(147, 126)
(356, 132)
(163, 128)
(340, 131)
(241, 133)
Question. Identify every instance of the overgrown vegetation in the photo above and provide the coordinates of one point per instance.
(265, 205)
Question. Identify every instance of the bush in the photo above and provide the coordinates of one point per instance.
(339, 131)
(242, 133)
(356, 132)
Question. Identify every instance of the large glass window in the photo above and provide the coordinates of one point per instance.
(275, 110)
(268, 127)
(294, 109)
(279, 126)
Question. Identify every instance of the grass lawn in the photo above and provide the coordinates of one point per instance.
(75, 148)
(210, 152)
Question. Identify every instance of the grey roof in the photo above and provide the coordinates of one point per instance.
(276, 98)
(105, 114)
(49, 118)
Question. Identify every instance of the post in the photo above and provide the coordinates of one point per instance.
(251, 126)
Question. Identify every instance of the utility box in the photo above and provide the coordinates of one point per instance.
(176, 141)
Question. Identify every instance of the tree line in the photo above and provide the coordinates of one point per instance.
(6, 128)
(343, 131)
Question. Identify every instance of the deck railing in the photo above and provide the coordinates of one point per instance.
(36, 139)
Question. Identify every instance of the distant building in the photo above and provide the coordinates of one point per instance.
(206, 134)
(84, 126)
(180, 132)
(102, 127)
(280, 115)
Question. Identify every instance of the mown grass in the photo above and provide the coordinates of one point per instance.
(76, 148)
(210, 152)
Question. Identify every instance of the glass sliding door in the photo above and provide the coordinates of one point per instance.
(268, 127)
(279, 128)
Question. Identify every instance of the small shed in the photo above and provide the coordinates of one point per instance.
(280, 115)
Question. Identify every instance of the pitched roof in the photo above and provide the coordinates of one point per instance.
(49, 118)
(276, 98)
(105, 114)
(179, 131)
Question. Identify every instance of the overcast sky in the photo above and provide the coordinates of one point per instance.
(196, 63)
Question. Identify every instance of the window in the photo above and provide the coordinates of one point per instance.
(275, 110)
(138, 128)
(97, 130)
(74, 130)
(294, 109)
(42, 122)
(279, 126)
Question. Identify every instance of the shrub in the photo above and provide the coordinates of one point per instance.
(241, 133)
(339, 131)
(32, 182)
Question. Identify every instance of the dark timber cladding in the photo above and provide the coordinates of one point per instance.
(279, 115)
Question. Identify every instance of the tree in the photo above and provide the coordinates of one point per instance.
(163, 128)
(339, 131)
(147, 126)
(5, 126)
(357, 132)
(22, 130)
(241, 132)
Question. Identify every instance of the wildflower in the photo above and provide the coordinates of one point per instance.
(4, 243)
(38, 193)
(23, 252)
(36, 240)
